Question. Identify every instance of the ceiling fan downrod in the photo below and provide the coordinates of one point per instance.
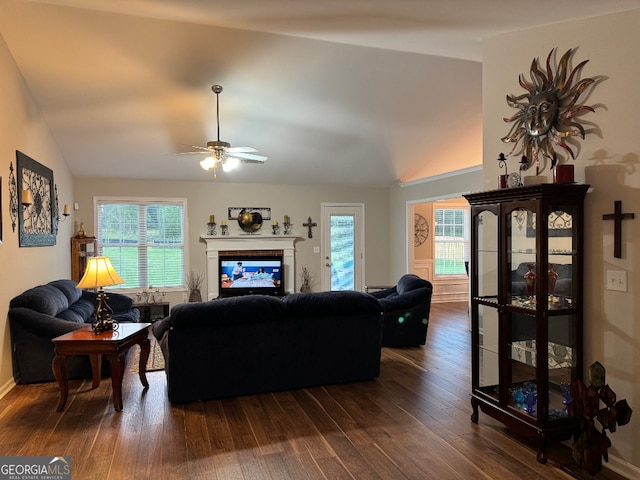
(218, 146)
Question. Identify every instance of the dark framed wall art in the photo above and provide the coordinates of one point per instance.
(37, 221)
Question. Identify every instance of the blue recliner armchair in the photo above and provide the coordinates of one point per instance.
(406, 311)
(47, 311)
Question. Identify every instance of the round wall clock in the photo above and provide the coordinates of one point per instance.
(421, 229)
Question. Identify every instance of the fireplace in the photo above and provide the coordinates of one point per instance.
(218, 245)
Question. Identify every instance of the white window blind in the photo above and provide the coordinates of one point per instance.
(451, 241)
(144, 240)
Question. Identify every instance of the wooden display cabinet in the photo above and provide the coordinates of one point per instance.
(82, 248)
(526, 327)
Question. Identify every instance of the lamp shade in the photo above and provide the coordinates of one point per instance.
(99, 273)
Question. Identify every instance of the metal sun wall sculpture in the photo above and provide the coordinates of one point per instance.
(548, 112)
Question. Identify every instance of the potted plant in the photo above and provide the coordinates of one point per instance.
(305, 275)
(194, 282)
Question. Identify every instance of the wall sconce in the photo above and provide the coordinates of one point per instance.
(66, 211)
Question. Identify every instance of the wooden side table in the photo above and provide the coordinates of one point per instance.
(113, 344)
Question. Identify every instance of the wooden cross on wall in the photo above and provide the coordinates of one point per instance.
(310, 225)
(617, 217)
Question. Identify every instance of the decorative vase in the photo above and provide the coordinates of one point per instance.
(305, 287)
(563, 173)
(530, 279)
(195, 296)
(553, 277)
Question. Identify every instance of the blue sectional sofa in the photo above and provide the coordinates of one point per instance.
(47, 311)
(255, 343)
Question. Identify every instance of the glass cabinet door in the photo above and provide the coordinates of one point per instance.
(562, 321)
(487, 256)
(522, 261)
(485, 303)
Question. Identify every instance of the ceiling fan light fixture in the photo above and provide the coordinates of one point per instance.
(230, 163)
(208, 163)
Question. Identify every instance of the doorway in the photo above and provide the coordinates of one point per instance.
(342, 246)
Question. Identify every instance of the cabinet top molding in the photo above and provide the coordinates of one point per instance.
(550, 191)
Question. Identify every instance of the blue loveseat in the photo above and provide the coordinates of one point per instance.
(47, 311)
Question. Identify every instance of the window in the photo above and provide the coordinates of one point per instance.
(451, 241)
(144, 240)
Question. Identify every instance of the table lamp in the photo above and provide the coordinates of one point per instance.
(100, 273)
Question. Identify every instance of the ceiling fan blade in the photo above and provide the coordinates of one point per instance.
(199, 147)
(241, 150)
(244, 160)
(203, 152)
(251, 156)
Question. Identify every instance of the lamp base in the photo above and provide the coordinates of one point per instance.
(102, 325)
(103, 321)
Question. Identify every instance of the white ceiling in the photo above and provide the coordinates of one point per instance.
(348, 92)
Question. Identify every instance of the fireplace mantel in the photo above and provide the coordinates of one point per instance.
(220, 243)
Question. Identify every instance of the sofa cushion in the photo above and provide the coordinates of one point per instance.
(71, 316)
(232, 310)
(330, 303)
(384, 293)
(85, 309)
(68, 287)
(45, 299)
(410, 282)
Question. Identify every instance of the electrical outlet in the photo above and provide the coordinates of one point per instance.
(184, 298)
(617, 280)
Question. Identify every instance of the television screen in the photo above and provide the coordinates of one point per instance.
(245, 275)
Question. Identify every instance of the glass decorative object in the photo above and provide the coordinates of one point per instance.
(553, 278)
(530, 279)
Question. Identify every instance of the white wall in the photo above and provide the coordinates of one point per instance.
(23, 128)
(403, 195)
(607, 159)
(213, 197)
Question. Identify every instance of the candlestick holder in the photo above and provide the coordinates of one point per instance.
(275, 229)
(225, 230)
(287, 228)
(211, 228)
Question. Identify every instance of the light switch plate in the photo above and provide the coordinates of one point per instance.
(617, 280)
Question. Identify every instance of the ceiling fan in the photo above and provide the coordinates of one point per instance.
(222, 153)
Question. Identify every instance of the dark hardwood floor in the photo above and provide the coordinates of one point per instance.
(411, 423)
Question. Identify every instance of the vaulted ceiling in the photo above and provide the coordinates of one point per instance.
(344, 92)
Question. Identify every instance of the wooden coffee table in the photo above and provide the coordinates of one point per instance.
(113, 344)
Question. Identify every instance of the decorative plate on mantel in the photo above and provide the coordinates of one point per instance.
(249, 222)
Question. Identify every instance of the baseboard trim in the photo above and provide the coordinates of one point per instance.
(7, 387)
(449, 297)
(622, 467)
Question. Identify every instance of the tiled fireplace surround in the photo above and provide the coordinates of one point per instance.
(225, 245)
